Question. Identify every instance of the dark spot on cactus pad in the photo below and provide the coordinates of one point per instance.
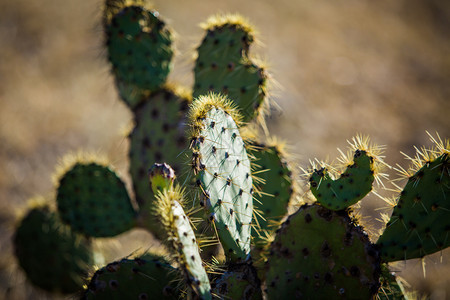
(354, 271)
(308, 218)
(325, 251)
(305, 251)
(325, 213)
(113, 284)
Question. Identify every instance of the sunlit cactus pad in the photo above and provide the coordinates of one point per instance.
(223, 167)
(352, 186)
(223, 65)
(147, 277)
(54, 258)
(93, 200)
(321, 253)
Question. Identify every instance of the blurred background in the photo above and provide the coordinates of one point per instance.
(338, 68)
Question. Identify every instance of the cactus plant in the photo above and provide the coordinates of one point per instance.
(319, 251)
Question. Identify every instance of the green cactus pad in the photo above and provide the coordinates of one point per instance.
(94, 201)
(139, 49)
(159, 136)
(276, 187)
(239, 282)
(182, 240)
(148, 277)
(224, 176)
(223, 65)
(54, 258)
(420, 223)
(321, 254)
(352, 186)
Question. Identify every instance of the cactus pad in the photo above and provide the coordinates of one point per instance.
(319, 253)
(54, 258)
(148, 277)
(182, 241)
(94, 201)
(352, 186)
(224, 176)
(239, 282)
(223, 65)
(139, 48)
(159, 136)
(420, 222)
(276, 187)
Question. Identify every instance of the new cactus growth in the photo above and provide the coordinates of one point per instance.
(224, 174)
(182, 241)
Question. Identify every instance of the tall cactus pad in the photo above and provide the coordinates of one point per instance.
(143, 278)
(94, 201)
(159, 136)
(319, 253)
(420, 223)
(223, 65)
(276, 185)
(182, 241)
(352, 186)
(239, 282)
(224, 176)
(139, 49)
(54, 258)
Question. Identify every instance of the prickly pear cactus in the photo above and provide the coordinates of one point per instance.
(93, 200)
(352, 185)
(223, 65)
(53, 257)
(223, 169)
(318, 251)
(182, 241)
(146, 277)
(139, 48)
(420, 223)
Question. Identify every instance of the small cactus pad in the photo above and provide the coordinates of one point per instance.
(149, 277)
(139, 49)
(224, 176)
(239, 282)
(182, 241)
(54, 258)
(420, 223)
(94, 201)
(159, 136)
(321, 254)
(223, 65)
(352, 186)
(161, 177)
(276, 186)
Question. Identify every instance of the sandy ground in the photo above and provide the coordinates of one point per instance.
(338, 68)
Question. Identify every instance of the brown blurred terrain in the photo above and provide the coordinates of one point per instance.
(339, 68)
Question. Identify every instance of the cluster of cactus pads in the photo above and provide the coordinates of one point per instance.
(222, 187)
